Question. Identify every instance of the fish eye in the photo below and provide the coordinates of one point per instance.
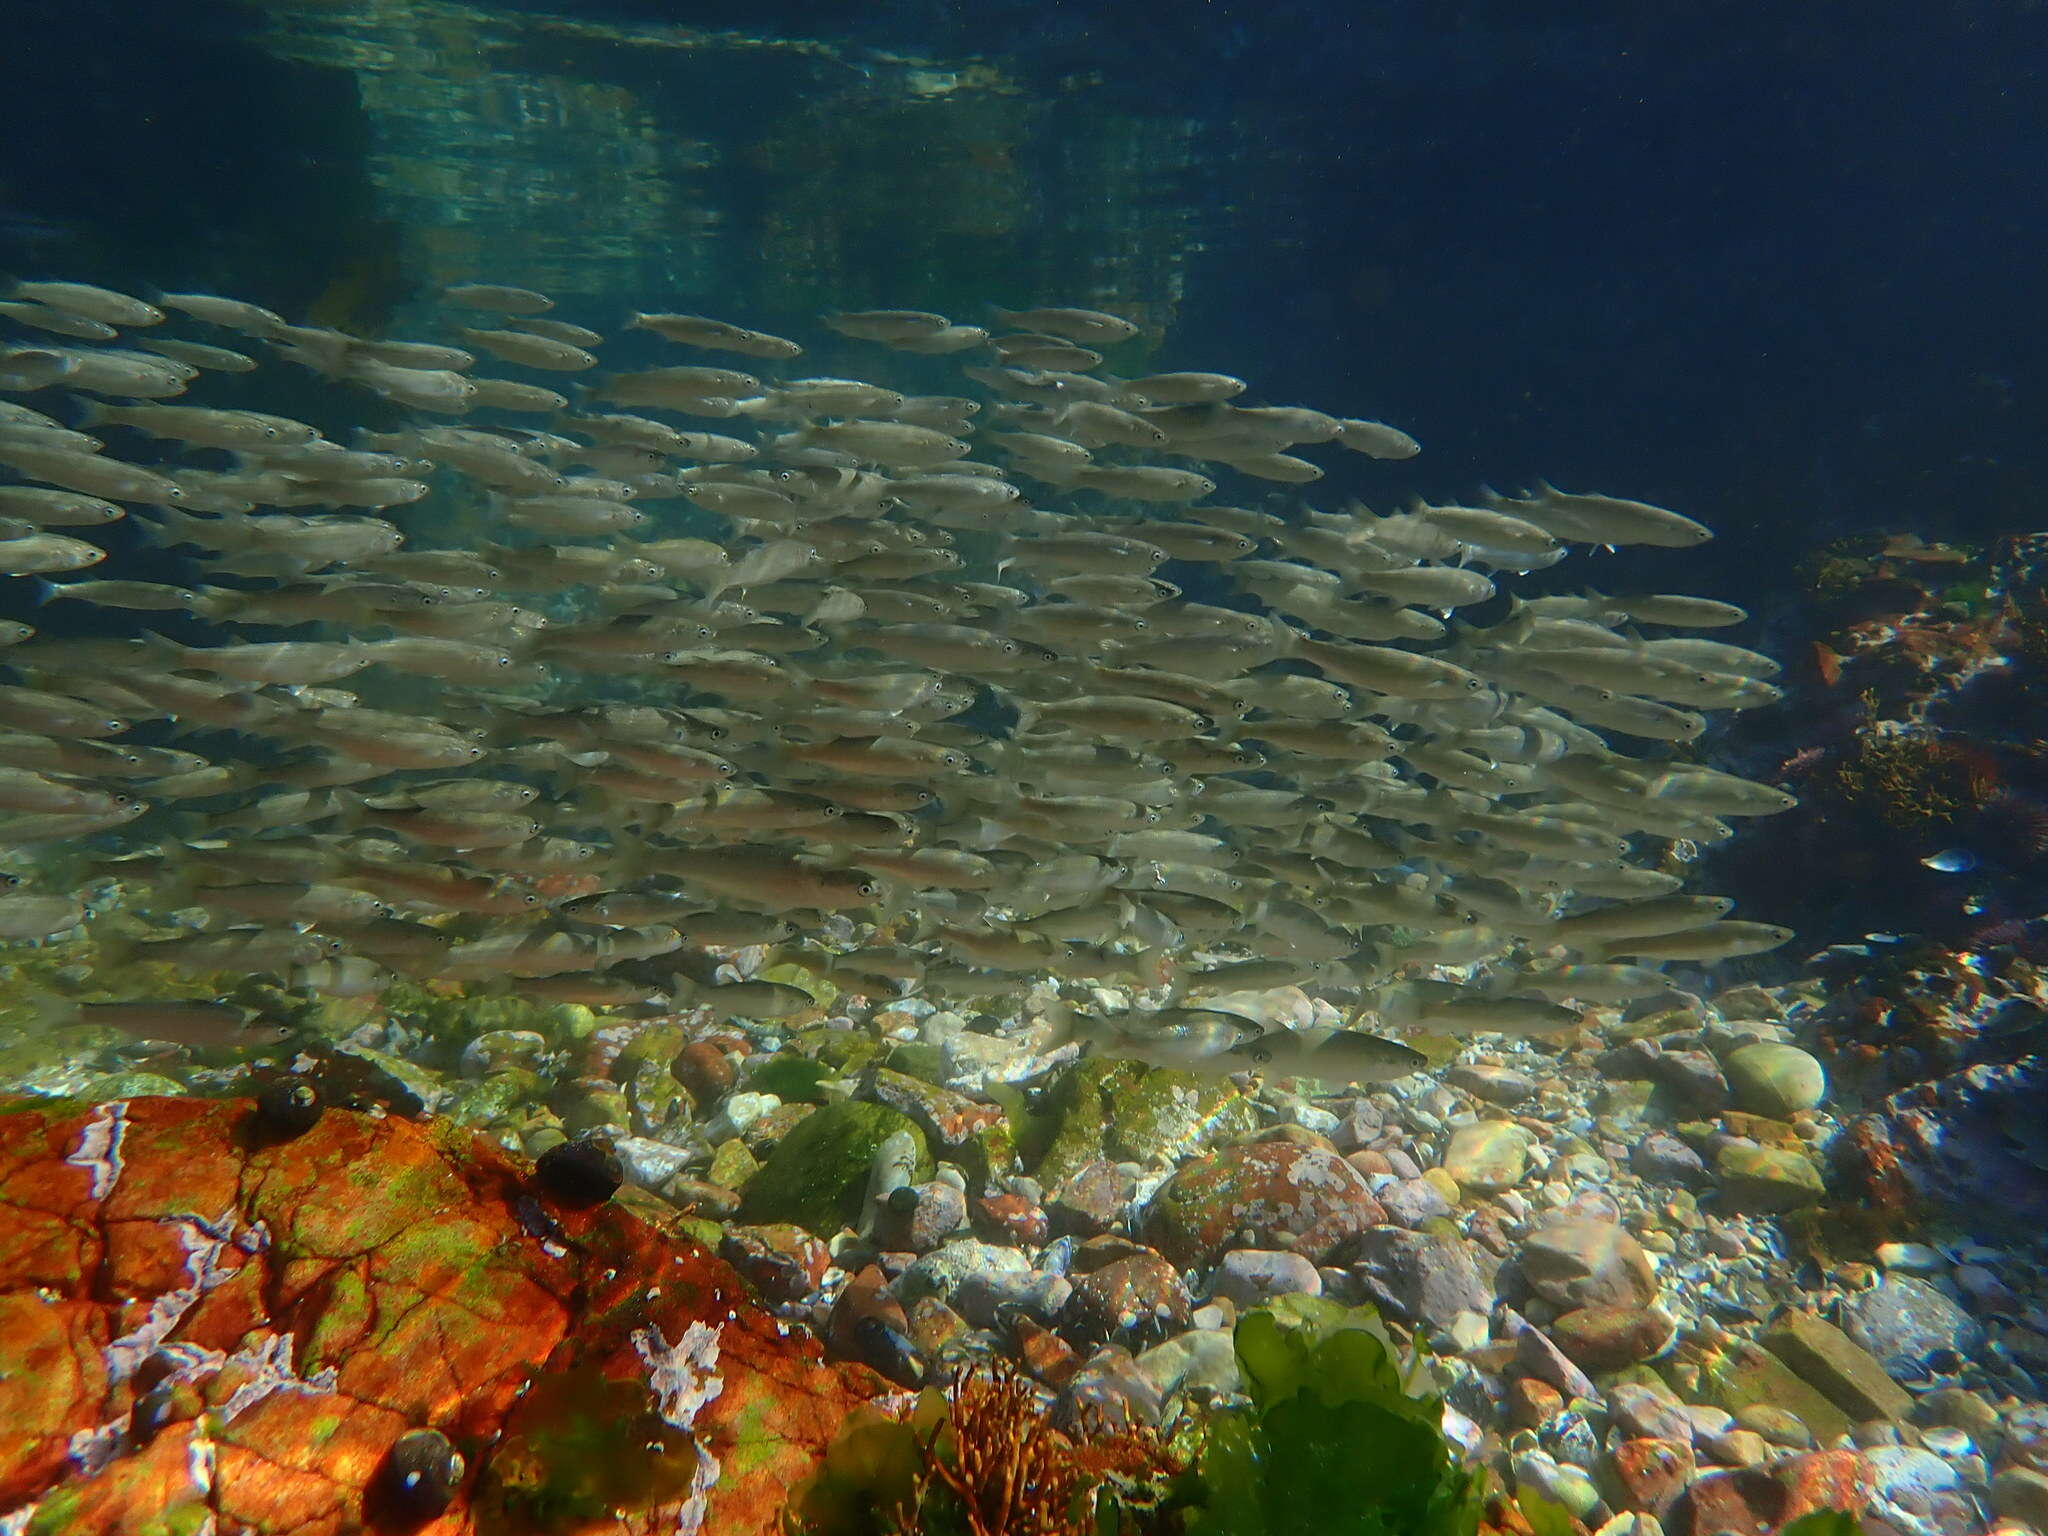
(726, 770)
(272, 433)
(504, 661)
(174, 493)
(833, 811)
(1138, 624)
(1204, 723)
(1474, 685)
(953, 760)
(924, 797)
(868, 888)
(1009, 647)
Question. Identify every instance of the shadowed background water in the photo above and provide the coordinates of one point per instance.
(1779, 270)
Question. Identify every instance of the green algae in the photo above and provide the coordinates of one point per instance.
(579, 1448)
(817, 1176)
(1126, 1111)
(1338, 1437)
(791, 1078)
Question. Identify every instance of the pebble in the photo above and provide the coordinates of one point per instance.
(1495, 1085)
(940, 1272)
(1248, 1276)
(1775, 1080)
(1581, 1262)
(1918, 1493)
(1425, 1277)
(1488, 1157)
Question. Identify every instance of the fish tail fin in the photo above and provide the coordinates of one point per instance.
(94, 413)
(1396, 1005)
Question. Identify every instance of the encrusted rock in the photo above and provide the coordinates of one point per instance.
(323, 1272)
(818, 1175)
(1091, 1199)
(1272, 1189)
(1139, 1298)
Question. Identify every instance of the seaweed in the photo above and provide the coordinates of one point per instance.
(1338, 1434)
(1338, 1437)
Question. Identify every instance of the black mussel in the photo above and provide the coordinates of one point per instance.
(416, 1480)
(580, 1173)
(888, 1351)
(286, 1108)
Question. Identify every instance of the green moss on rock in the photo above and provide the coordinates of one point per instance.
(1126, 1111)
(816, 1177)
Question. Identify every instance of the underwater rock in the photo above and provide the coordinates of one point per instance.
(1091, 1199)
(1011, 1218)
(1661, 1158)
(1138, 1299)
(1249, 1276)
(1832, 1361)
(580, 1173)
(1650, 1472)
(1428, 1277)
(323, 1298)
(940, 1272)
(1776, 1080)
(1489, 1156)
(1903, 1322)
(1126, 1111)
(1579, 1262)
(1495, 1085)
(817, 1177)
(1742, 1374)
(1754, 1501)
(1601, 1339)
(1273, 1189)
(782, 1262)
(1767, 1180)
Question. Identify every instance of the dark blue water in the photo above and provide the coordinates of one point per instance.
(1778, 269)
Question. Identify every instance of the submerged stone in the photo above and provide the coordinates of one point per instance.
(1776, 1080)
(1309, 1198)
(817, 1176)
(1832, 1361)
(371, 1284)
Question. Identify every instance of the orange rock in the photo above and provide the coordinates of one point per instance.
(319, 1297)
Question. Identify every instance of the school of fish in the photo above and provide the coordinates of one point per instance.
(715, 661)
